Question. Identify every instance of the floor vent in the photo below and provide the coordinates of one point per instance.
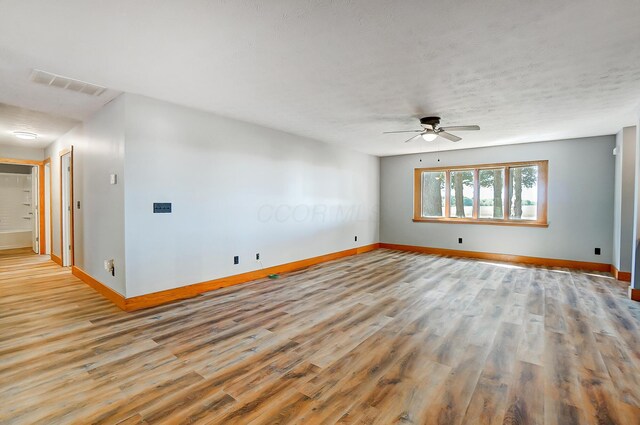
(53, 80)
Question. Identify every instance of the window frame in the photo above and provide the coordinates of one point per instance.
(541, 220)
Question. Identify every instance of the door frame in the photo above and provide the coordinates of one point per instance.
(62, 153)
(40, 165)
(36, 190)
(48, 190)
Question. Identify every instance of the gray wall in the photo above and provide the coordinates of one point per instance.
(98, 151)
(625, 161)
(580, 212)
(635, 266)
(20, 152)
(237, 189)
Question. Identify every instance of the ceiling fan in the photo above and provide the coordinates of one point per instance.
(431, 129)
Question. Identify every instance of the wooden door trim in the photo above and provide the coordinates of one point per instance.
(40, 165)
(44, 163)
(20, 161)
(71, 209)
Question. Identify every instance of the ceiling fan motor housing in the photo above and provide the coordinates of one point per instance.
(430, 121)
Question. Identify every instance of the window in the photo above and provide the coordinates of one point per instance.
(433, 194)
(523, 193)
(461, 189)
(506, 194)
(491, 200)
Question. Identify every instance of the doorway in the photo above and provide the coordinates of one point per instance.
(66, 207)
(17, 221)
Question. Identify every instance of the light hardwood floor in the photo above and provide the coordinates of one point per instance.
(385, 337)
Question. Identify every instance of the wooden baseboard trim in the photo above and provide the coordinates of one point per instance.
(624, 276)
(634, 294)
(367, 248)
(183, 292)
(100, 287)
(538, 261)
(56, 259)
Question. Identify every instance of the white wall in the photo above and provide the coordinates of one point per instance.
(98, 151)
(19, 152)
(236, 189)
(580, 202)
(624, 198)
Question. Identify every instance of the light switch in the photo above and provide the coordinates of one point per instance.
(113, 179)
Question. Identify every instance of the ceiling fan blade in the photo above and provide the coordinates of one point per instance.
(410, 139)
(461, 128)
(449, 136)
(402, 131)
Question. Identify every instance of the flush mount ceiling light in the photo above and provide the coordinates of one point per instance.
(25, 135)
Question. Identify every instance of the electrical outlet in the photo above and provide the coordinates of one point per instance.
(356, 239)
(109, 265)
(459, 240)
(597, 251)
(257, 256)
(236, 260)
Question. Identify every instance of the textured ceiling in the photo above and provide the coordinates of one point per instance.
(344, 71)
(48, 127)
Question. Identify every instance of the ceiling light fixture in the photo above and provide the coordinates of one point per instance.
(25, 135)
(429, 137)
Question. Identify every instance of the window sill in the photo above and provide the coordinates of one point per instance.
(481, 221)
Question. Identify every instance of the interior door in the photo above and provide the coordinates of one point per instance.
(35, 217)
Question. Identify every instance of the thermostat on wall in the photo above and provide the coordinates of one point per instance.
(161, 207)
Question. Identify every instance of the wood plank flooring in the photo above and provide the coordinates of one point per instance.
(384, 337)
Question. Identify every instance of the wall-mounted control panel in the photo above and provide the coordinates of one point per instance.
(161, 207)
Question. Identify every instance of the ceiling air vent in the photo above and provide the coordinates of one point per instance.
(53, 80)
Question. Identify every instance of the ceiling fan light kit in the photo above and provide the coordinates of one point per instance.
(431, 130)
(429, 136)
